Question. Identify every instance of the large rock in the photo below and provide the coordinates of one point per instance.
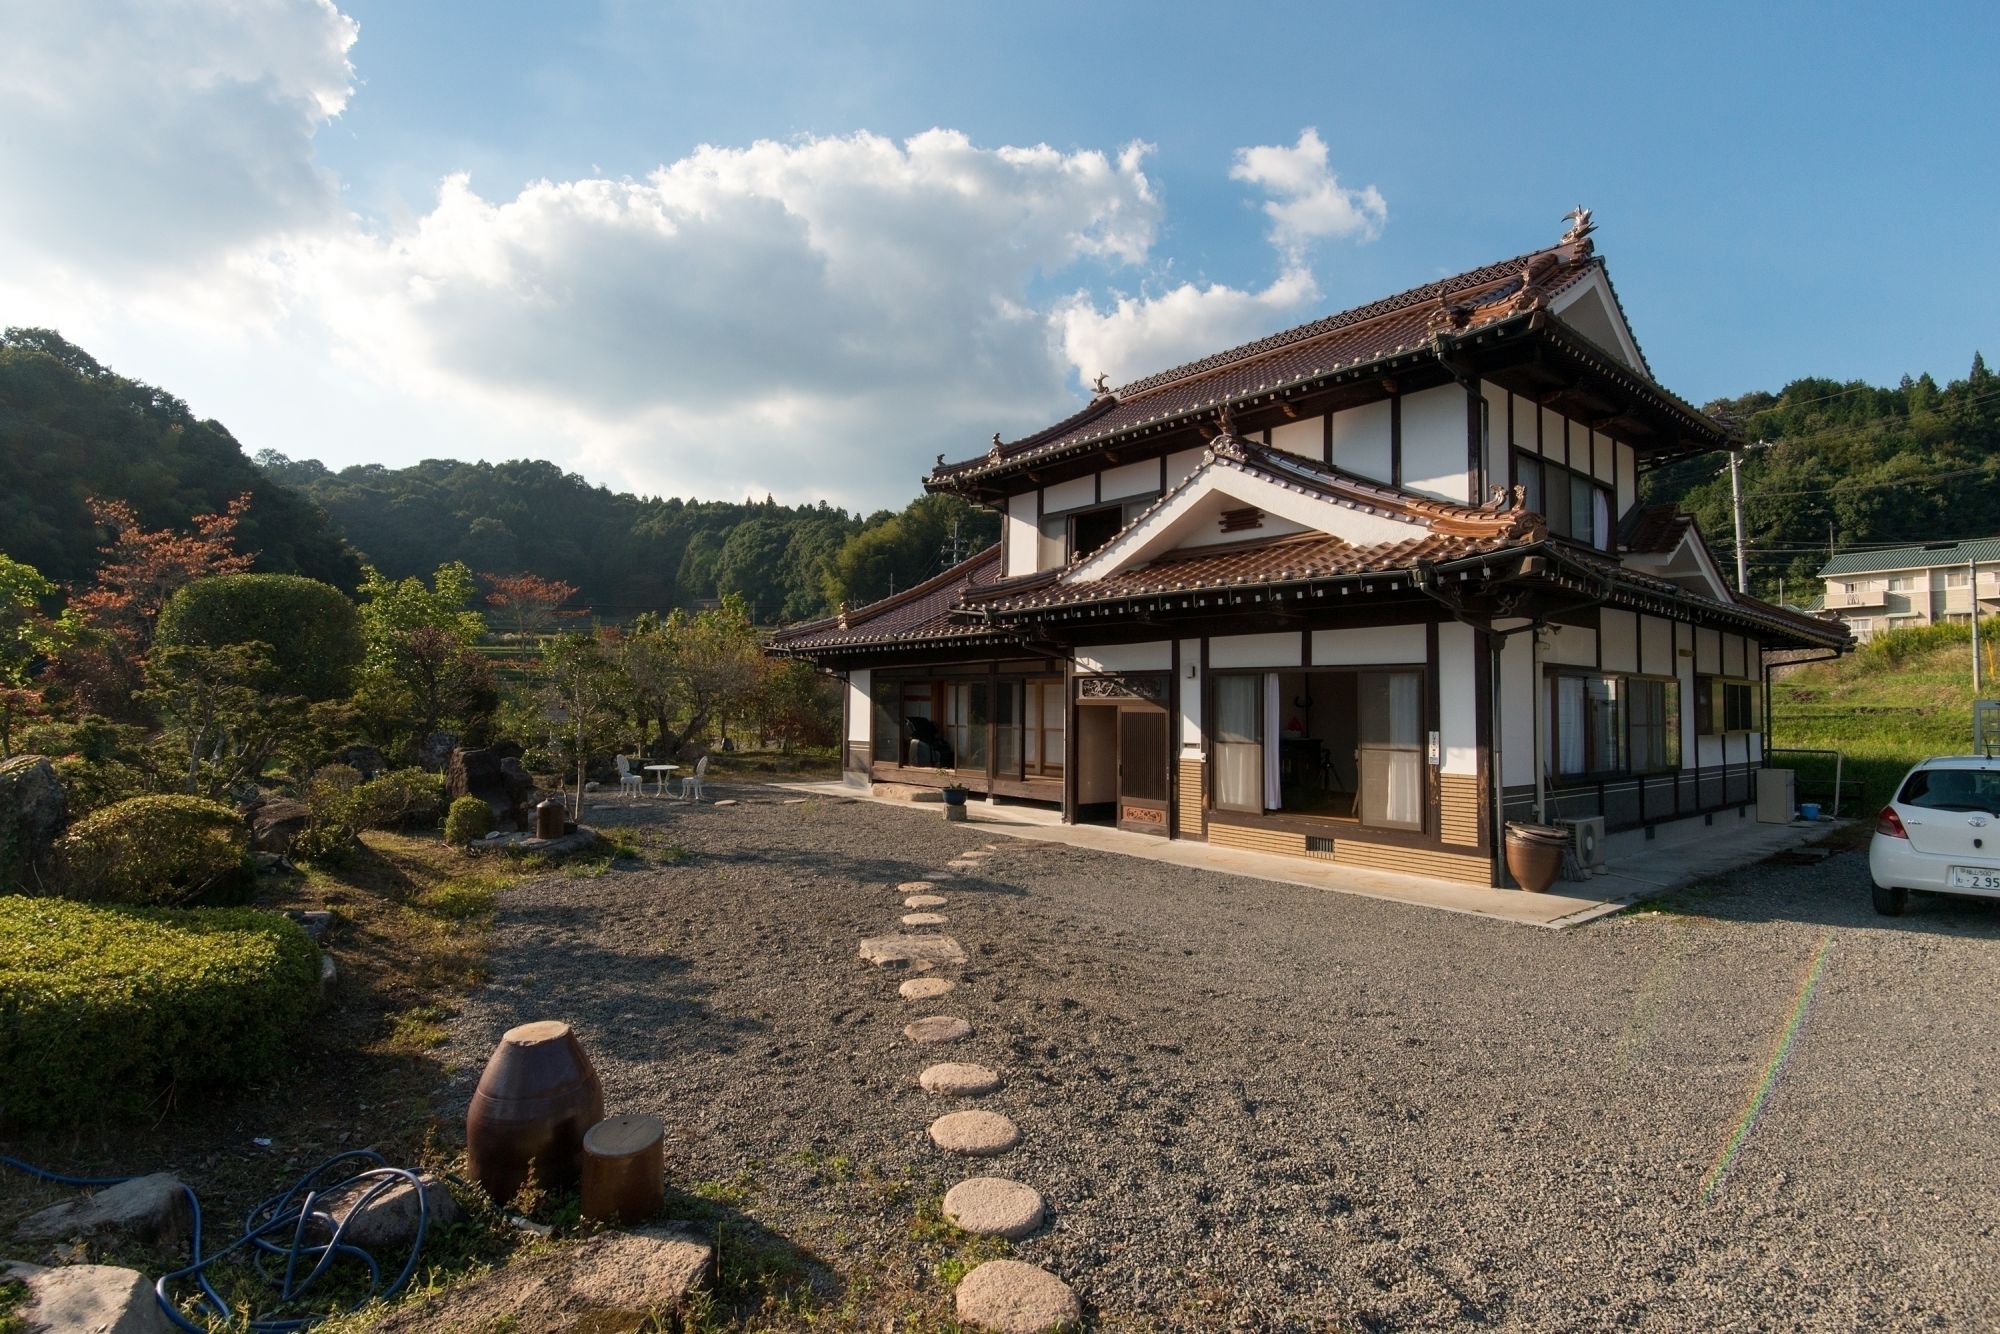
(495, 778)
(149, 1208)
(614, 1280)
(434, 750)
(275, 823)
(389, 1221)
(85, 1299)
(31, 815)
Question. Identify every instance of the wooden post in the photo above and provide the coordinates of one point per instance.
(623, 1172)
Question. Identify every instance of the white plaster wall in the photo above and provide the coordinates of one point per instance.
(1604, 458)
(1708, 751)
(1621, 639)
(1733, 656)
(1368, 646)
(1191, 692)
(1181, 464)
(1570, 645)
(1524, 425)
(1707, 651)
(1205, 528)
(1305, 438)
(1458, 699)
(1020, 555)
(1434, 441)
(1552, 436)
(1514, 727)
(1153, 656)
(1076, 492)
(1361, 440)
(1656, 646)
(1131, 479)
(1272, 650)
(1628, 478)
(860, 714)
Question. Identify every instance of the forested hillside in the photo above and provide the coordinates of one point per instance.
(1848, 465)
(71, 429)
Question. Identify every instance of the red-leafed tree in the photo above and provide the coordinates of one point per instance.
(140, 571)
(526, 603)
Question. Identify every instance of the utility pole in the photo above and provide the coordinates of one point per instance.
(1972, 591)
(1736, 503)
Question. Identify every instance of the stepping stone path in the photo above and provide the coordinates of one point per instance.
(1013, 1297)
(958, 1080)
(937, 1028)
(924, 919)
(903, 948)
(924, 901)
(925, 988)
(994, 1207)
(975, 1134)
(915, 887)
(961, 866)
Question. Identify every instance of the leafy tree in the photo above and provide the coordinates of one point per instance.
(583, 692)
(799, 705)
(685, 674)
(222, 719)
(526, 603)
(899, 551)
(419, 650)
(312, 630)
(749, 566)
(28, 637)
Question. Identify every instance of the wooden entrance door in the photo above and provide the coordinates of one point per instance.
(1142, 769)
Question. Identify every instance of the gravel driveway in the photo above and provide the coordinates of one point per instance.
(1257, 1106)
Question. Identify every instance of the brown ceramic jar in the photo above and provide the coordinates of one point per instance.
(533, 1105)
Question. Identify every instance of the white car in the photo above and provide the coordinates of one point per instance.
(1940, 834)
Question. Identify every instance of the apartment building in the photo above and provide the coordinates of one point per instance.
(1881, 590)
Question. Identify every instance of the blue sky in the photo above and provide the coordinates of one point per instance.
(1781, 191)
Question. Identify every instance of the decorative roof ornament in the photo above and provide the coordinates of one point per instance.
(994, 452)
(1580, 228)
(843, 615)
(1102, 384)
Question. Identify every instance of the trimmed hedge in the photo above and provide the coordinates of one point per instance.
(104, 1009)
(399, 799)
(159, 850)
(313, 631)
(469, 818)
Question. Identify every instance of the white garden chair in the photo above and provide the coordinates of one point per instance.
(691, 785)
(627, 780)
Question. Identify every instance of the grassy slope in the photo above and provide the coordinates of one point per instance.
(1906, 695)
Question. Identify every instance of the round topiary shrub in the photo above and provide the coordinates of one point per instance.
(469, 818)
(159, 850)
(107, 1009)
(312, 629)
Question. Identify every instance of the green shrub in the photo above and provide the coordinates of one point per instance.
(91, 785)
(104, 1009)
(313, 631)
(160, 850)
(332, 796)
(469, 818)
(400, 799)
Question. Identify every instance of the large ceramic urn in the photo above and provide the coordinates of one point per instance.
(531, 1109)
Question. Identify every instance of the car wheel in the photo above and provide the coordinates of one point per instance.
(1891, 902)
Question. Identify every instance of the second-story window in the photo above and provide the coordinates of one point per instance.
(1073, 534)
(1577, 506)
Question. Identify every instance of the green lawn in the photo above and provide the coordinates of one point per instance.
(1905, 695)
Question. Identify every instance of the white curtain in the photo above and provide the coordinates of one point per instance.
(1570, 758)
(1274, 771)
(1237, 755)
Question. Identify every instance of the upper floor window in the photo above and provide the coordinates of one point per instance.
(1901, 583)
(1076, 533)
(1957, 578)
(1576, 505)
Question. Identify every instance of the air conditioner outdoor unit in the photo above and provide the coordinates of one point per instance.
(1586, 841)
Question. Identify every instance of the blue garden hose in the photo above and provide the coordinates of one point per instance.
(279, 1228)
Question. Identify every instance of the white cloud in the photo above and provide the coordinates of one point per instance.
(143, 137)
(816, 317)
(1308, 203)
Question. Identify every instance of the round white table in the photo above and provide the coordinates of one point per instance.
(662, 770)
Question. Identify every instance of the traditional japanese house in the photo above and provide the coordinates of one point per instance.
(1361, 591)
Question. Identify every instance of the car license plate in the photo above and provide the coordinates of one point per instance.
(1967, 877)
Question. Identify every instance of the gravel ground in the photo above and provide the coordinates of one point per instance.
(1257, 1106)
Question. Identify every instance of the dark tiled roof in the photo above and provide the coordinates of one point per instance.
(1282, 561)
(1654, 530)
(1403, 322)
(1739, 606)
(1985, 550)
(915, 616)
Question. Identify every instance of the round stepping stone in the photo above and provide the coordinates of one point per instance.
(915, 887)
(961, 866)
(938, 1028)
(924, 901)
(994, 1207)
(975, 1134)
(925, 988)
(924, 919)
(960, 1080)
(1014, 1297)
